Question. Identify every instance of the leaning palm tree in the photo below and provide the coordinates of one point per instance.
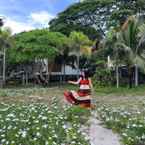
(5, 42)
(129, 45)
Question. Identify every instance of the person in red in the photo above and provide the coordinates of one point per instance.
(83, 96)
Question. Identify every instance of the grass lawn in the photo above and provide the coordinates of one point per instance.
(38, 116)
(122, 110)
(121, 97)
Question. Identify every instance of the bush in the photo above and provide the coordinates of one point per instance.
(103, 77)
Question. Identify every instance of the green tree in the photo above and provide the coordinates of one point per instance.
(6, 42)
(93, 17)
(129, 46)
(36, 45)
(80, 45)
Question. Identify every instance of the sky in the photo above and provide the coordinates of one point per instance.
(25, 15)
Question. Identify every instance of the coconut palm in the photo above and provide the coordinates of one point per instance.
(5, 42)
(129, 45)
(79, 44)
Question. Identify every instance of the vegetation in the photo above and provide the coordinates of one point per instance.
(39, 124)
(129, 45)
(102, 14)
(36, 44)
(130, 125)
(6, 40)
(84, 34)
(122, 110)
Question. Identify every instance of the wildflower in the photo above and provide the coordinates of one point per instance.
(124, 134)
(64, 126)
(24, 133)
(38, 134)
(45, 126)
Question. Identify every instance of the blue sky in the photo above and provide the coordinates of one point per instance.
(24, 15)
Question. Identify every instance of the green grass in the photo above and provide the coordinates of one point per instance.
(41, 124)
(121, 109)
(125, 91)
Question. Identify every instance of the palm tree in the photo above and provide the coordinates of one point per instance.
(5, 42)
(79, 44)
(109, 45)
(129, 45)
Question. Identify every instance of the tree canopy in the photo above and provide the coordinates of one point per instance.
(96, 15)
(36, 44)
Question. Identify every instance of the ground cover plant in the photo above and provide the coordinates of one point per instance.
(32, 114)
(130, 125)
(41, 124)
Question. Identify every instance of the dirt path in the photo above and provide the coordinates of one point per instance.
(100, 135)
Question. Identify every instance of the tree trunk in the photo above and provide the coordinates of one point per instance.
(78, 63)
(136, 75)
(117, 76)
(50, 66)
(47, 72)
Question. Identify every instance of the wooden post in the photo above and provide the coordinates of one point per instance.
(4, 66)
(78, 63)
(136, 75)
(26, 78)
(117, 76)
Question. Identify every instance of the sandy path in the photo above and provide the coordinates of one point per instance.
(100, 135)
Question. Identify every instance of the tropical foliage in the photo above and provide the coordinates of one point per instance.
(6, 40)
(36, 44)
(127, 46)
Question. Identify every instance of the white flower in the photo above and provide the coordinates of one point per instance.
(64, 126)
(38, 134)
(24, 133)
(36, 121)
(45, 126)
(134, 125)
(11, 115)
(9, 127)
(73, 142)
(44, 118)
(3, 140)
(13, 142)
(46, 143)
(55, 135)
(124, 134)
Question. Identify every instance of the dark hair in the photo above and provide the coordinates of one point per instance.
(89, 72)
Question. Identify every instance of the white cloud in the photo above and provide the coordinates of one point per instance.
(17, 26)
(35, 20)
(42, 17)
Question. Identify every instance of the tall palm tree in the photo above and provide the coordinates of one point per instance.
(5, 42)
(129, 45)
(79, 44)
(109, 45)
